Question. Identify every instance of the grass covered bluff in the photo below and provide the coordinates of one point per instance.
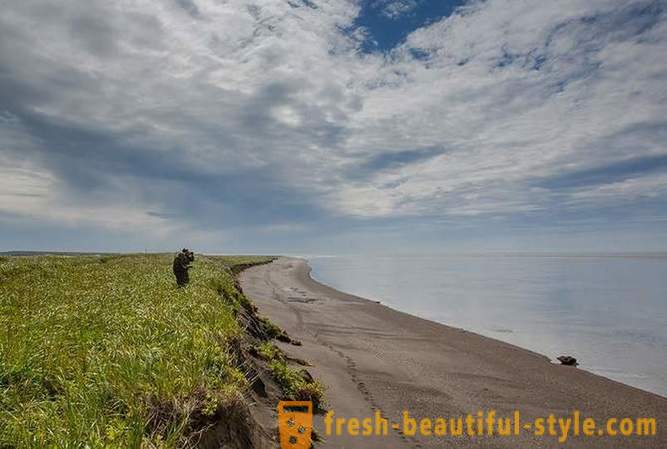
(106, 352)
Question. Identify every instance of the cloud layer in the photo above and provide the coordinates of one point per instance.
(160, 118)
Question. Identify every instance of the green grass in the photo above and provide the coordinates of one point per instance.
(105, 352)
(294, 384)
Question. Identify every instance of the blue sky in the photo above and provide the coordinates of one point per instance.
(339, 126)
(387, 23)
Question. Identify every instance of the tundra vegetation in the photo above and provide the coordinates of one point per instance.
(106, 352)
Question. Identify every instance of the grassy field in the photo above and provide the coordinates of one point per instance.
(106, 352)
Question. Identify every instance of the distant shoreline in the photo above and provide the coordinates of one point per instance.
(658, 254)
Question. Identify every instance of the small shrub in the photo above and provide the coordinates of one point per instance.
(295, 386)
(269, 352)
(273, 331)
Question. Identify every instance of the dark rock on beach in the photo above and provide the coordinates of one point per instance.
(567, 360)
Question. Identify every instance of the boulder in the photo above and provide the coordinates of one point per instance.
(567, 360)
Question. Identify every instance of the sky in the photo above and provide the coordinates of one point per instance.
(333, 126)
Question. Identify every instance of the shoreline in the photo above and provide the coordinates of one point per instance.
(310, 278)
(372, 357)
(593, 356)
(320, 283)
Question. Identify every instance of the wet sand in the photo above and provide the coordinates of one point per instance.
(371, 357)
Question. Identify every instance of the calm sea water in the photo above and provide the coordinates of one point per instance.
(609, 312)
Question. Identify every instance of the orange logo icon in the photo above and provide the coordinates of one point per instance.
(295, 423)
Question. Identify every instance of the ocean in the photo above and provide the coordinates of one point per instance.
(610, 312)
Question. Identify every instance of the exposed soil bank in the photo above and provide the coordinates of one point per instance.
(372, 357)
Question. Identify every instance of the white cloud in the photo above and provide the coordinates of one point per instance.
(653, 186)
(36, 195)
(513, 92)
(396, 8)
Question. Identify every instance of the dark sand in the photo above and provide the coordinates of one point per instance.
(373, 357)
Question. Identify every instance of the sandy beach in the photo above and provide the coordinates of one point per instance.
(371, 357)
